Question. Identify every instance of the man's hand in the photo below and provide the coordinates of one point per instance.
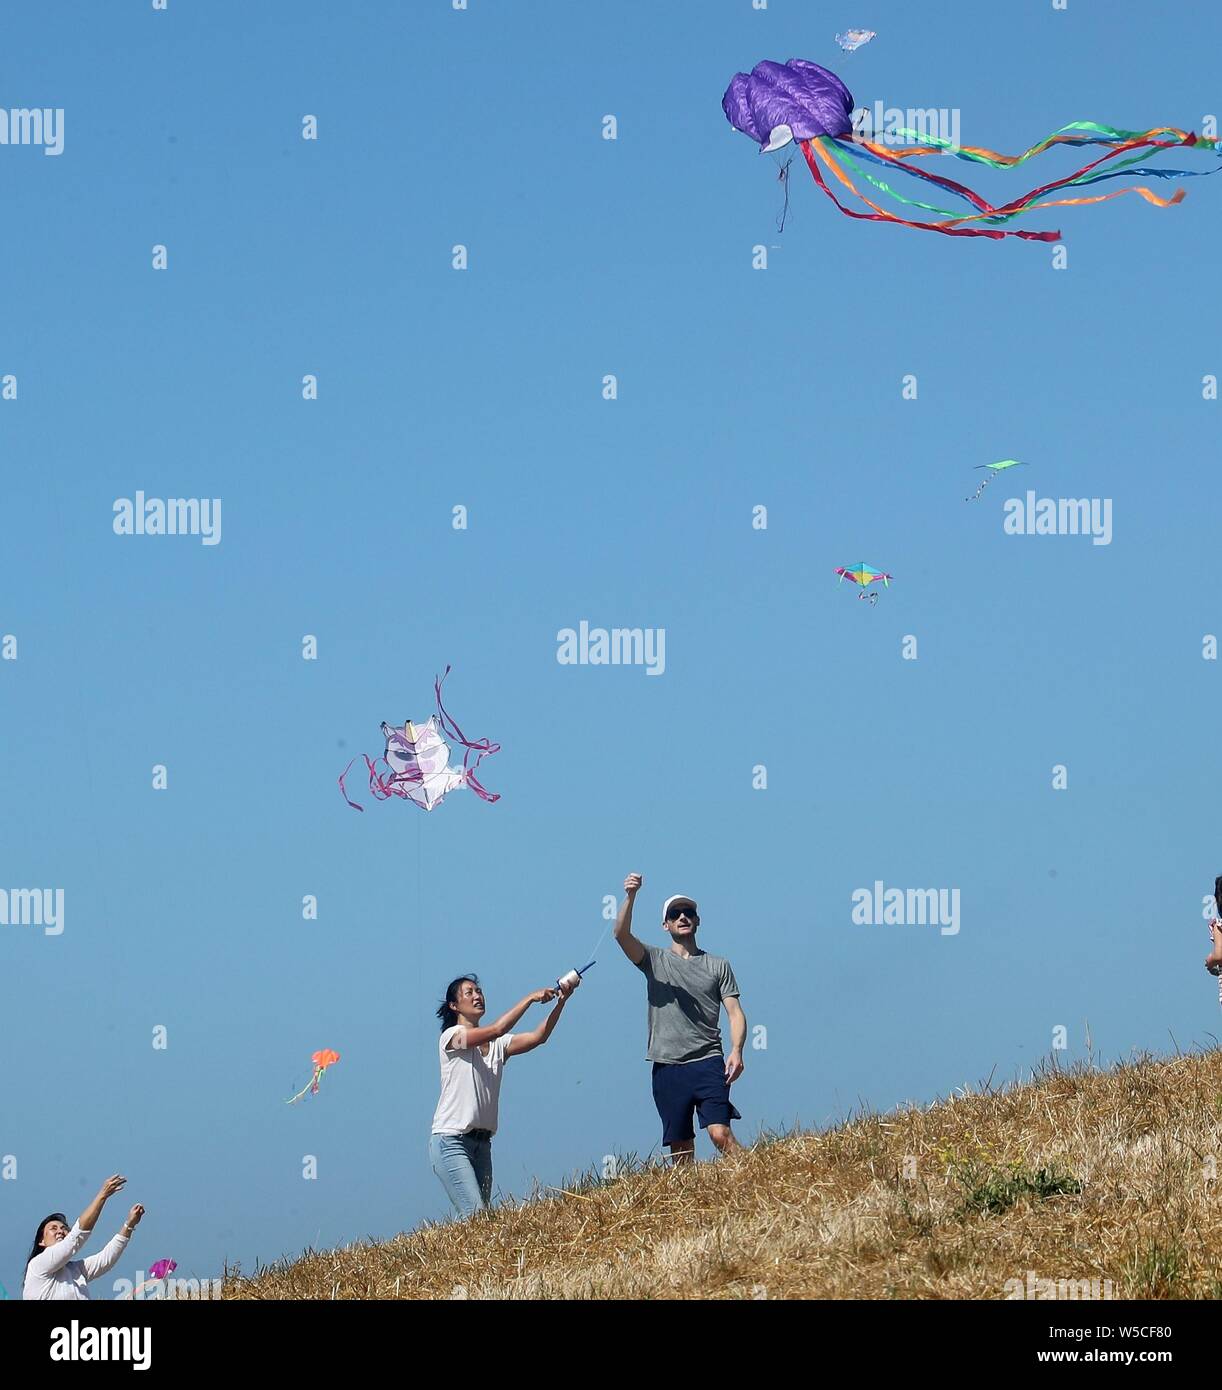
(542, 996)
(628, 943)
(133, 1216)
(734, 1067)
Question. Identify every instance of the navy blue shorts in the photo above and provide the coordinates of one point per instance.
(681, 1087)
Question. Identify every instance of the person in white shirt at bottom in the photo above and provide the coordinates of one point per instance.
(52, 1273)
(1213, 961)
(472, 1062)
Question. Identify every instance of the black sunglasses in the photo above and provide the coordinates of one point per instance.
(689, 912)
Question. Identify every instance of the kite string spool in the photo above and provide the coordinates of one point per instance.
(572, 978)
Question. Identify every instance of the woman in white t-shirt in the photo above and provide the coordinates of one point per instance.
(472, 1060)
(52, 1273)
(1213, 961)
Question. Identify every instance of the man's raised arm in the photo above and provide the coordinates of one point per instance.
(631, 947)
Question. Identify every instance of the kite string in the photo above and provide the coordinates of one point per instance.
(420, 908)
(597, 944)
(784, 178)
(419, 898)
(601, 939)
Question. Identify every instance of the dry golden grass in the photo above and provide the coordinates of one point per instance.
(1082, 1174)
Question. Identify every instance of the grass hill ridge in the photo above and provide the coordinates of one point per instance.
(1080, 1183)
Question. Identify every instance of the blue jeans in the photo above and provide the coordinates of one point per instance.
(463, 1162)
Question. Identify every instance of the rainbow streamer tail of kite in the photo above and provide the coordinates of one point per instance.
(310, 1088)
(834, 159)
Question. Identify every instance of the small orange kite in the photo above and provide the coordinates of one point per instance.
(322, 1059)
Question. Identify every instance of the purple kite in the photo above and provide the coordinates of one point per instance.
(417, 760)
(776, 103)
(159, 1271)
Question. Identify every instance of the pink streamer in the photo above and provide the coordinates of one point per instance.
(483, 748)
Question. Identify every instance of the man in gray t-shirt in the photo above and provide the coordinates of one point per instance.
(687, 989)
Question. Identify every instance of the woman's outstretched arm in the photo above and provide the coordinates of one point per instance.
(477, 1037)
(56, 1256)
(527, 1042)
(106, 1258)
(88, 1219)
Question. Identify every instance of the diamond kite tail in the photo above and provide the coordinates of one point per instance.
(994, 469)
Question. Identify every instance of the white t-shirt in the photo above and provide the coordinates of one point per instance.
(1217, 969)
(56, 1275)
(470, 1084)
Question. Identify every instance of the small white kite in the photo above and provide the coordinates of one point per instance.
(853, 39)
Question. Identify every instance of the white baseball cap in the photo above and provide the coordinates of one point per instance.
(678, 898)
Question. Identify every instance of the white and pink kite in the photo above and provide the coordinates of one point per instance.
(418, 761)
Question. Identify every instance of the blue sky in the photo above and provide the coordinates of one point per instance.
(483, 388)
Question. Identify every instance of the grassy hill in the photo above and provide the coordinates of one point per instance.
(1079, 1175)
